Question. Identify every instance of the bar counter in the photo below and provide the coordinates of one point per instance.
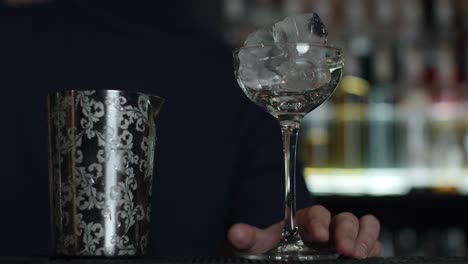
(230, 260)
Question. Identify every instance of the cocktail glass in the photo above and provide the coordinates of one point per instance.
(289, 80)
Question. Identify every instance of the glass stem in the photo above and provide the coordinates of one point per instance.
(289, 130)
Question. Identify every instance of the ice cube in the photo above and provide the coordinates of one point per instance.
(289, 57)
(306, 68)
(304, 28)
(256, 67)
(258, 37)
(304, 75)
(247, 74)
(317, 27)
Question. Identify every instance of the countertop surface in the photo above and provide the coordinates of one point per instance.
(222, 260)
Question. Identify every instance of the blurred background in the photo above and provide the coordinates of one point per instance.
(398, 121)
(393, 139)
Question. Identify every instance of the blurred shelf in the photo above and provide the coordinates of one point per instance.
(385, 181)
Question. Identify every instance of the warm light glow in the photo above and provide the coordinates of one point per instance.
(386, 181)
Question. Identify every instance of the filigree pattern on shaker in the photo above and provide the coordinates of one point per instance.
(102, 148)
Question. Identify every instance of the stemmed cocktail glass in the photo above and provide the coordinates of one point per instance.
(289, 80)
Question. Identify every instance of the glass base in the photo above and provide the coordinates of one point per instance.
(293, 251)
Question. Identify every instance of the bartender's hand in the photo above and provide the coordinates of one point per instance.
(344, 232)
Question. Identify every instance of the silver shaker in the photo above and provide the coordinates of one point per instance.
(101, 156)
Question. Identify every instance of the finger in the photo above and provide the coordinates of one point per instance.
(377, 250)
(369, 229)
(248, 239)
(345, 228)
(314, 223)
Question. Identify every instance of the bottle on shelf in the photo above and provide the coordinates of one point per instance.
(411, 20)
(384, 17)
(444, 16)
(234, 22)
(315, 135)
(264, 13)
(446, 131)
(464, 112)
(349, 131)
(292, 7)
(382, 118)
(414, 113)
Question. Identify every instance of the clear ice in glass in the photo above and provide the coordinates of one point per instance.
(279, 67)
(293, 69)
(307, 28)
